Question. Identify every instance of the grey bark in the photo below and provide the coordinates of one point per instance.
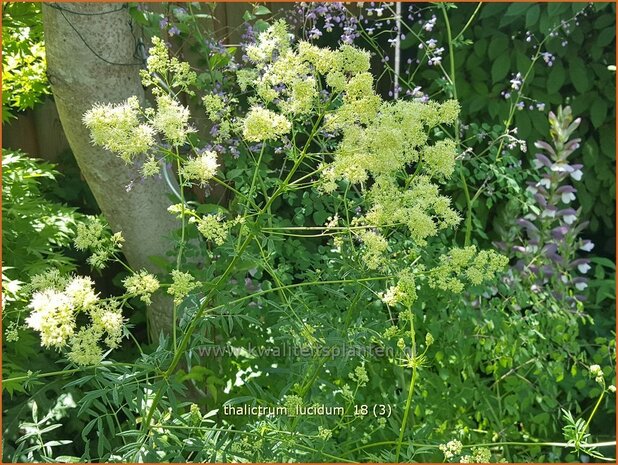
(91, 58)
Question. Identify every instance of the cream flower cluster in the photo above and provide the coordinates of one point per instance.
(200, 169)
(261, 124)
(142, 284)
(479, 455)
(213, 228)
(375, 245)
(171, 120)
(465, 264)
(380, 143)
(163, 73)
(119, 129)
(451, 449)
(288, 79)
(420, 207)
(129, 130)
(182, 284)
(54, 314)
(403, 292)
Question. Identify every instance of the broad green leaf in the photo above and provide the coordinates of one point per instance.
(579, 75)
(598, 112)
(497, 45)
(261, 10)
(555, 78)
(532, 16)
(500, 67)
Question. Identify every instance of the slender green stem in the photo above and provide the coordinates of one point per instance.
(469, 22)
(406, 412)
(594, 410)
(452, 75)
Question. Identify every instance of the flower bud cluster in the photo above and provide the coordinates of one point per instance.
(93, 236)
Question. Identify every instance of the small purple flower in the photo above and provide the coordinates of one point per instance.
(516, 82)
(568, 215)
(541, 161)
(577, 173)
(582, 264)
(315, 33)
(567, 193)
(548, 58)
(559, 232)
(545, 182)
(429, 25)
(528, 225)
(587, 245)
(549, 212)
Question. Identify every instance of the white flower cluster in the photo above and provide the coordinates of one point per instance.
(54, 314)
(597, 372)
(451, 449)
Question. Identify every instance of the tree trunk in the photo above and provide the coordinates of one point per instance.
(91, 58)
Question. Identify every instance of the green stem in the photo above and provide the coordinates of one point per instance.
(464, 184)
(406, 412)
(467, 25)
(594, 410)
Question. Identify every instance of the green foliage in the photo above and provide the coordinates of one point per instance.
(24, 82)
(27, 213)
(334, 272)
(35, 235)
(579, 76)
